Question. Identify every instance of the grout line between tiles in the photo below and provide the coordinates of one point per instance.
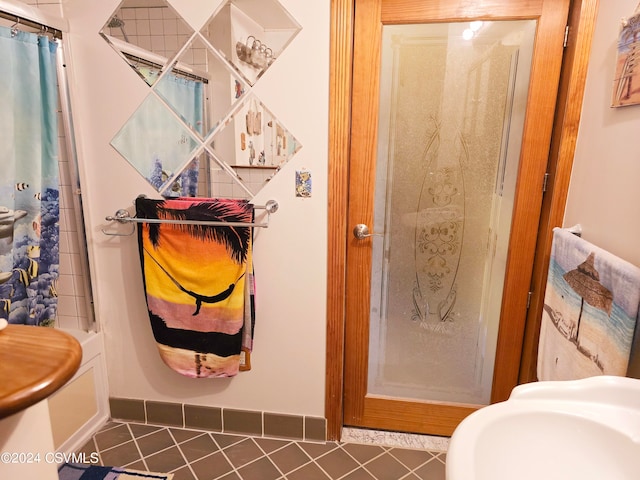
(359, 463)
(264, 456)
(408, 475)
(187, 462)
(233, 467)
(202, 434)
(412, 470)
(115, 424)
(275, 450)
(201, 458)
(222, 422)
(363, 465)
(96, 449)
(105, 450)
(144, 434)
(311, 460)
(320, 466)
(304, 427)
(292, 442)
(314, 460)
(130, 464)
(137, 447)
(159, 451)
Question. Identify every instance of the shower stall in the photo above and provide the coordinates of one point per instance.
(81, 406)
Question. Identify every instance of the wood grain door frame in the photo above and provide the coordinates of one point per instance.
(582, 17)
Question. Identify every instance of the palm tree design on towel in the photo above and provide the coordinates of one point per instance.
(209, 265)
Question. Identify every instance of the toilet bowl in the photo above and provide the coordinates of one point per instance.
(580, 429)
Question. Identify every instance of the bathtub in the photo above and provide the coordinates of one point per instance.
(81, 406)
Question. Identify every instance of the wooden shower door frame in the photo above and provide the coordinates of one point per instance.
(582, 18)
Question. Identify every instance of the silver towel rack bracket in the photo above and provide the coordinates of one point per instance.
(123, 216)
(271, 206)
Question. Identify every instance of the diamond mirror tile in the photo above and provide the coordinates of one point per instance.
(156, 143)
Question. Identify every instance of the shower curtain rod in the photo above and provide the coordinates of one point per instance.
(152, 64)
(134, 53)
(31, 23)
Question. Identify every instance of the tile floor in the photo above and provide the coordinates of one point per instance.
(200, 455)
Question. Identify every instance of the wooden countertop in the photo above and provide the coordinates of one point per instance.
(34, 363)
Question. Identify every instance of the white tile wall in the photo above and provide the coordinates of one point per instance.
(72, 283)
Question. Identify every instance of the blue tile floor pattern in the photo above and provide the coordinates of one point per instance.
(202, 455)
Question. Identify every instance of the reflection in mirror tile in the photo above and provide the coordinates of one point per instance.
(251, 34)
(147, 33)
(226, 182)
(254, 137)
(185, 96)
(156, 144)
(254, 143)
(206, 71)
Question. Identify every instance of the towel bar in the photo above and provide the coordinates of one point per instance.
(576, 230)
(123, 216)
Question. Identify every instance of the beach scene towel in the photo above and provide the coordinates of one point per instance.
(198, 281)
(590, 311)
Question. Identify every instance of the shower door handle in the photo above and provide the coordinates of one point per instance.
(361, 231)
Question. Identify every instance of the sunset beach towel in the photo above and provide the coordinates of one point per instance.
(198, 282)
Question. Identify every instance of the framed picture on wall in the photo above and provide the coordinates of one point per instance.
(626, 81)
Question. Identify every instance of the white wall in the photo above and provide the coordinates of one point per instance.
(290, 256)
(604, 196)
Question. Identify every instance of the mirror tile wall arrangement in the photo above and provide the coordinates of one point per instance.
(201, 131)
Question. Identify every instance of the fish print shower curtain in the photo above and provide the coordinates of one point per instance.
(29, 184)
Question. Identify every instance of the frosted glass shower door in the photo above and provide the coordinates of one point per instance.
(451, 116)
(450, 132)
